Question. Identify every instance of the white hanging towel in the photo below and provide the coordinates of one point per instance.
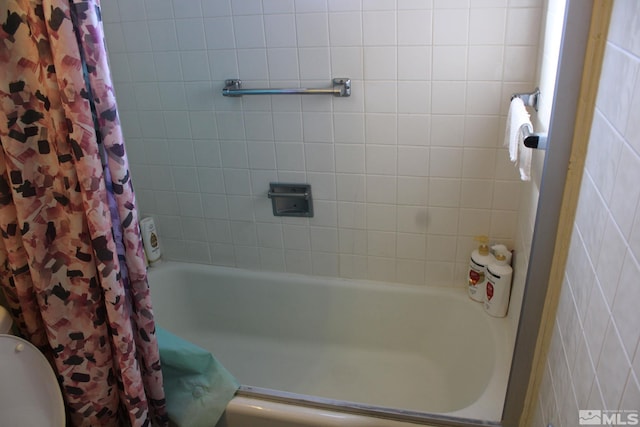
(517, 118)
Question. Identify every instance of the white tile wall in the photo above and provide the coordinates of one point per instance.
(594, 359)
(404, 172)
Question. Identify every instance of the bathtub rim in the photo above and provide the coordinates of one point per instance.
(359, 409)
(496, 386)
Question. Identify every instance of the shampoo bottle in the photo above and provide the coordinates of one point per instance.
(150, 239)
(480, 259)
(498, 289)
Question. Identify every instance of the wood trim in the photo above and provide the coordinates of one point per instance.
(599, 26)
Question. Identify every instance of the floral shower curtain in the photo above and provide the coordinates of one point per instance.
(71, 261)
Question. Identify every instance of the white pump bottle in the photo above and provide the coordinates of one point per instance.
(480, 258)
(498, 289)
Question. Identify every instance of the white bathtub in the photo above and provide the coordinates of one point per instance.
(338, 352)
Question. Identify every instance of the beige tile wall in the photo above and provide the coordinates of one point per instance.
(594, 358)
(404, 172)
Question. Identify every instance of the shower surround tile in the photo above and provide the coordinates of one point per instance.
(396, 169)
(603, 262)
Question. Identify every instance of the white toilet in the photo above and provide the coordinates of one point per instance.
(29, 389)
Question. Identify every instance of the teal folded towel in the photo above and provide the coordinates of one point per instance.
(196, 385)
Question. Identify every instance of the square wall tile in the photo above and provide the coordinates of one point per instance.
(246, 7)
(445, 162)
(626, 192)
(163, 35)
(379, 28)
(348, 128)
(483, 131)
(442, 221)
(252, 64)
(523, 27)
(414, 129)
(411, 246)
(487, 26)
(414, 97)
(315, 64)
(448, 97)
(352, 215)
(450, 26)
(478, 163)
(351, 187)
(342, 5)
(412, 190)
(345, 29)
(283, 64)
(304, 6)
(195, 65)
(211, 180)
(347, 61)
(413, 161)
(381, 189)
(249, 31)
(414, 27)
(381, 159)
(484, 97)
(324, 264)
(380, 63)
(187, 9)
(317, 127)
(516, 60)
(449, 62)
(350, 158)
(319, 157)
(485, 62)
(447, 130)
(413, 219)
(290, 156)
(324, 239)
(197, 252)
(261, 155)
(280, 30)
(410, 271)
(414, 62)
(352, 241)
(297, 261)
(191, 34)
(381, 269)
(237, 182)
(381, 129)
(323, 185)
(381, 97)
(312, 30)
(380, 243)
(287, 126)
(219, 33)
(278, 6)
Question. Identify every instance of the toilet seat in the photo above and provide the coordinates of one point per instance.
(29, 391)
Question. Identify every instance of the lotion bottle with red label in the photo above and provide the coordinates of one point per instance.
(480, 259)
(150, 240)
(498, 289)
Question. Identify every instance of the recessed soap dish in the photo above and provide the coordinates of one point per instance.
(291, 199)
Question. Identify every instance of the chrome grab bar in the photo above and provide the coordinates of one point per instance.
(272, 194)
(341, 88)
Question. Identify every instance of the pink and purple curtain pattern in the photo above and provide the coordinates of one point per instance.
(71, 260)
